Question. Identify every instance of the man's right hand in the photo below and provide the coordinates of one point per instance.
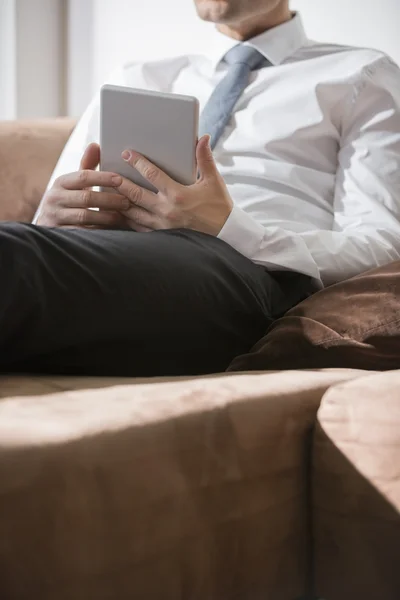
(68, 202)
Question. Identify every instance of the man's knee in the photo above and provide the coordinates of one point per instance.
(16, 242)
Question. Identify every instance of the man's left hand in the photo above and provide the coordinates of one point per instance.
(203, 206)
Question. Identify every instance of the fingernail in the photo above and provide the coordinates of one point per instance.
(126, 155)
(116, 180)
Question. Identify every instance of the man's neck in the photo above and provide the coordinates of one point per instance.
(256, 25)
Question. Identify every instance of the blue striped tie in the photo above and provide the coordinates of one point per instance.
(242, 60)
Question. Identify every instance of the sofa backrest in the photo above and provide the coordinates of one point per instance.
(29, 151)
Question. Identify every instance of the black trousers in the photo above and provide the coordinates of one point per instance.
(97, 302)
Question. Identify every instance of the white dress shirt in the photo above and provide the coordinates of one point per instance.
(311, 156)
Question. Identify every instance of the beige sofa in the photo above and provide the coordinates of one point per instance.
(253, 486)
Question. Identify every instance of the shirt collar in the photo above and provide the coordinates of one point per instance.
(275, 44)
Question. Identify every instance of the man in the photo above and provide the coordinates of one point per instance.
(303, 190)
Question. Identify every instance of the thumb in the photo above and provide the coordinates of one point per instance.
(205, 159)
(90, 158)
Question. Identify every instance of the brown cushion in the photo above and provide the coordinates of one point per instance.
(356, 490)
(29, 151)
(353, 324)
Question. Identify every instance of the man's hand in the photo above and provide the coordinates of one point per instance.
(203, 206)
(68, 202)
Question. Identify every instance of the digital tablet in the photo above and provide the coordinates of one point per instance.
(162, 127)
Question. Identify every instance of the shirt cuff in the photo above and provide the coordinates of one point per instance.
(242, 232)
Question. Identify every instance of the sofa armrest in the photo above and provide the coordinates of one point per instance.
(356, 490)
(29, 151)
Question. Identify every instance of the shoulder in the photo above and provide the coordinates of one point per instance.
(347, 61)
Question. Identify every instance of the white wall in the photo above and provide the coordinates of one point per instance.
(80, 54)
(129, 30)
(371, 23)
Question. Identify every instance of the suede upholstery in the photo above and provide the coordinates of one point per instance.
(172, 489)
(356, 490)
(28, 155)
(353, 324)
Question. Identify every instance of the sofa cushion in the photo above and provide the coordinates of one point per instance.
(356, 490)
(191, 488)
(353, 324)
(29, 151)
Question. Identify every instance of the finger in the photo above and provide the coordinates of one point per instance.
(162, 182)
(91, 157)
(205, 159)
(137, 195)
(90, 199)
(137, 216)
(83, 217)
(87, 178)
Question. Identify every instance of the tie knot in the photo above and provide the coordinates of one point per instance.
(242, 54)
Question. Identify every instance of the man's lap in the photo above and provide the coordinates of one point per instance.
(79, 300)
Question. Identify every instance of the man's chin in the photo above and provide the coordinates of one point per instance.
(215, 11)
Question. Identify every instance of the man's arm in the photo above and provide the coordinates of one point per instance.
(366, 228)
